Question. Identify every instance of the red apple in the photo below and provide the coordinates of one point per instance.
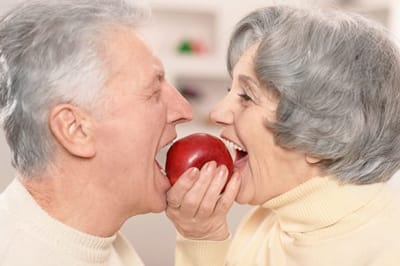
(194, 151)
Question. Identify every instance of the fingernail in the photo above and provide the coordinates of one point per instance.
(222, 172)
(235, 177)
(210, 166)
(193, 172)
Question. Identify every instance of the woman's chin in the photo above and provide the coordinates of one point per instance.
(240, 201)
(245, 194)
(242, 197)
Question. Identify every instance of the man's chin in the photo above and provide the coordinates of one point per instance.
(160, 207)
(157, 211)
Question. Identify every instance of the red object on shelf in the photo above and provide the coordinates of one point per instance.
(198, 46)
(191, 46)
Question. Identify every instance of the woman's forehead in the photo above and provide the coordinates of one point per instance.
(245, 64)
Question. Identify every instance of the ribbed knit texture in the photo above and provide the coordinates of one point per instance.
(29, 235)
(319, 223)
(213, 255)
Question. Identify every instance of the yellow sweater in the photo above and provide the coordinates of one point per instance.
(319, 223)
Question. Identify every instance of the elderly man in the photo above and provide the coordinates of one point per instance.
(85, 108)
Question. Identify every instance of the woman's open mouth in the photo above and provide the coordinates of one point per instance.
(240, 155)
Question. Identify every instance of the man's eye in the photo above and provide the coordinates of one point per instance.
(157, 93)
(154, 95)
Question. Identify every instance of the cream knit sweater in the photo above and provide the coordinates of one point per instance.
(30, 237)
(319, 223)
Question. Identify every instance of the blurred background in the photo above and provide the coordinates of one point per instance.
(190, 37)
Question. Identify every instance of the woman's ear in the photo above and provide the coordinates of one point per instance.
(312, 159)
(73, 129)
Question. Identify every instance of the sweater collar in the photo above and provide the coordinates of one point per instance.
(319, 203)
(87, 247)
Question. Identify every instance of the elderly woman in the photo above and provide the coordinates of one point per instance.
(314, 111)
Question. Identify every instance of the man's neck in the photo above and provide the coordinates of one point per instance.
(77, 205)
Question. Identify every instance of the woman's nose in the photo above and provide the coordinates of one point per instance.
(222, 114)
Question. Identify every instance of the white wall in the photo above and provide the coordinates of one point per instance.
(6, 171)
(394, 21)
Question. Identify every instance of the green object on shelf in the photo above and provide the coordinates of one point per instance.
(185, 47)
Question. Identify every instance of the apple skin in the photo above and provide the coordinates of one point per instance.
(194, 151)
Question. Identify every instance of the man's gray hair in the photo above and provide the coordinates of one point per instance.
(50, 54)
(337, 75)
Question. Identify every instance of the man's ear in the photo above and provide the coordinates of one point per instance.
(73, 129)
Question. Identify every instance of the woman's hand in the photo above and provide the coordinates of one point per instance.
(196, 206)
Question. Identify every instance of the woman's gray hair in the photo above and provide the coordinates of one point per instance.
(50, 54)
(338, 80)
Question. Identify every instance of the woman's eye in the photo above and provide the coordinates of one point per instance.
(245, 97)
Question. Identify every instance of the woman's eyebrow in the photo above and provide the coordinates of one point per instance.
(249, 80)
(252, 85)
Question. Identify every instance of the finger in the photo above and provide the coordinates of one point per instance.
(193, 198)
(177, 192)
(228, 197)
(213, 193)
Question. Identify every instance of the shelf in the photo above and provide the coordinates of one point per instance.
(203, 95)
(192, 66)
(171, 26)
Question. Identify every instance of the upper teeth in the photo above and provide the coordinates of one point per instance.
(232, 145)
